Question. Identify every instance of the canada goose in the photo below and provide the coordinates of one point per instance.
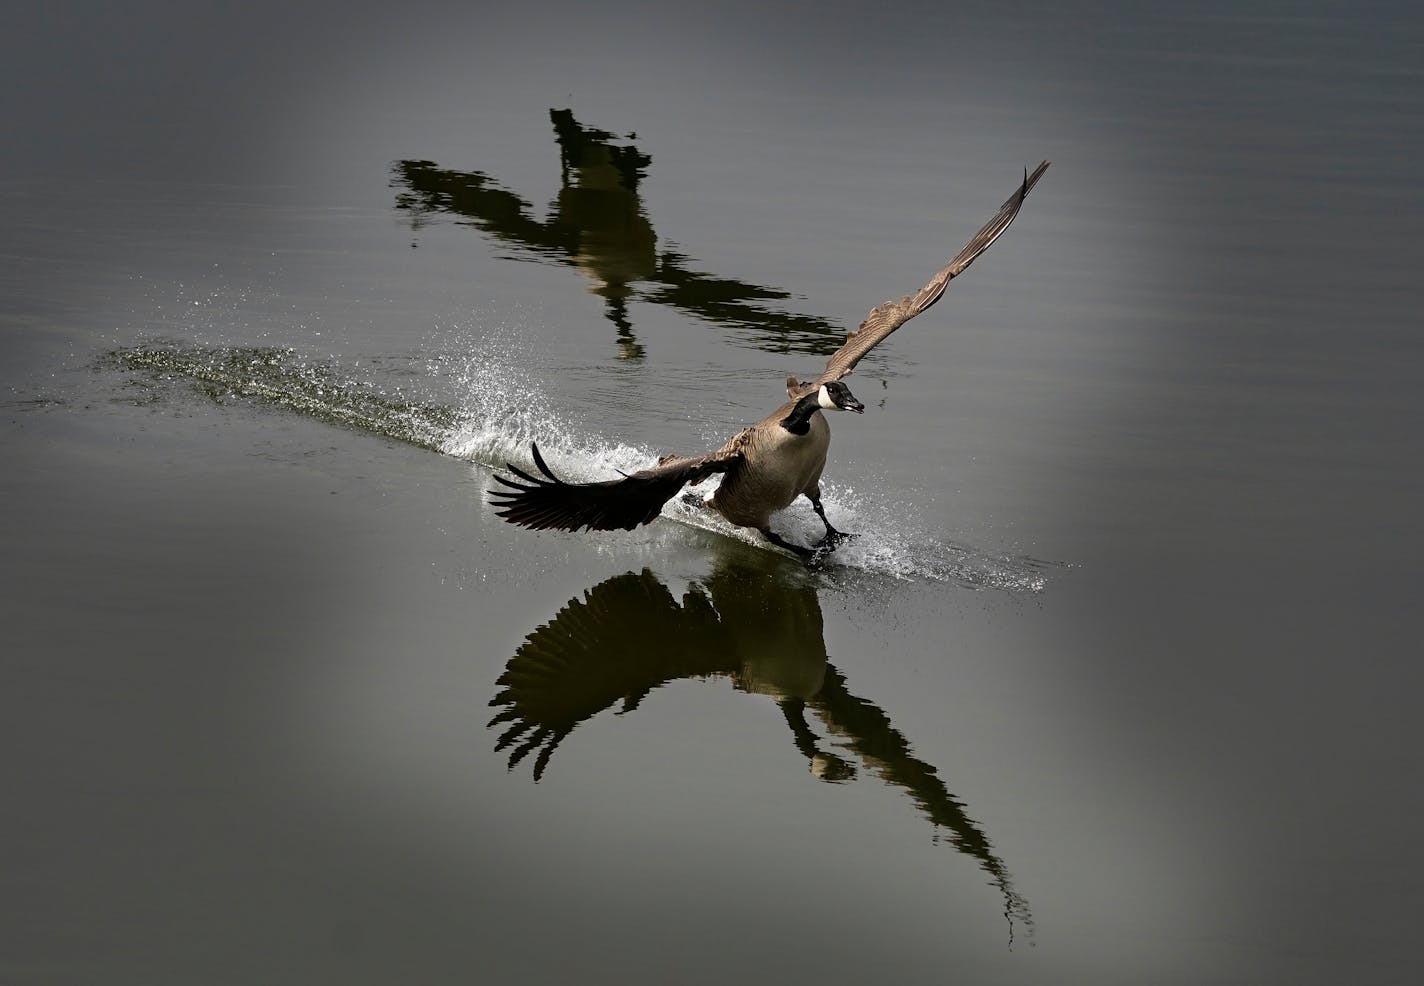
(765, 467)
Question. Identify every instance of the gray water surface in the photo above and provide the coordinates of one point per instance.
(1115, 684)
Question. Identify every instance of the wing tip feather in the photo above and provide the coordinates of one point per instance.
(887, 316)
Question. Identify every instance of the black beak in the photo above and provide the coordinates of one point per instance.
(851, 404)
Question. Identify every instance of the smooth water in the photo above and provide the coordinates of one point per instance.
(1113, 685)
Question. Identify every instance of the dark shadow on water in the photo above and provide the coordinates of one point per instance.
(597, 224)
(759, 629)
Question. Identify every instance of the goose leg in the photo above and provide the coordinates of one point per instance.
(832, 535)
(826, 766)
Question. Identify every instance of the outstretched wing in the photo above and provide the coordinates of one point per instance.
(612, 505)
(885, 319)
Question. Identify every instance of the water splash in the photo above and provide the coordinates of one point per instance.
(501, 411)
(498, 410)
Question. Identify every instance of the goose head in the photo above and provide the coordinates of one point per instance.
(836, 396)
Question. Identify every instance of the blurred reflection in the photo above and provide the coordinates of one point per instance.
(597, 224)
(629, 635)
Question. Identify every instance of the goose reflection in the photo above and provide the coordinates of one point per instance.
(758, 629)
(597, 224)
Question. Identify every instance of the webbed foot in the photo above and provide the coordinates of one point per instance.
(833, 540)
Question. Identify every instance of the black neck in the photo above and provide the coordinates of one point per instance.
(798, 422)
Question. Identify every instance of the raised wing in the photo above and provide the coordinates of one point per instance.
(885, 319)
(612, 505)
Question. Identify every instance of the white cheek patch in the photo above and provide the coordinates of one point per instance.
(824, 399)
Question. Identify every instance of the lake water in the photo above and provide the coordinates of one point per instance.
(1117, 683)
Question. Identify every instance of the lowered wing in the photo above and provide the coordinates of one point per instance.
(611, 505)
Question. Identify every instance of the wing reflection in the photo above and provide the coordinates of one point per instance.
(597, 224)
(629, 635)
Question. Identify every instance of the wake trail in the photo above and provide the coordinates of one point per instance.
(499, 411)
